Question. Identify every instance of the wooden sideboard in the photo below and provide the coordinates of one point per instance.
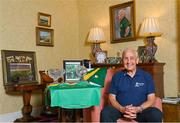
(171, 112)
(155, 69)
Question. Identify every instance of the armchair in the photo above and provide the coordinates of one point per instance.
(92, 114)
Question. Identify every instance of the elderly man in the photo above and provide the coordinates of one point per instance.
(131, 93)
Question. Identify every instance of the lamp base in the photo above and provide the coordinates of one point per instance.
(95, 48)
(151, 49)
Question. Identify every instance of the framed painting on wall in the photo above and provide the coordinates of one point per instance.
(122, 22)
(44, 19)
(19, 67)
(44, 37)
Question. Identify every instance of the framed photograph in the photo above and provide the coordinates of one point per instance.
(44, 37)
(101, 56)
(44, 19)
(19, 67)
(122, 22)
(71, 70)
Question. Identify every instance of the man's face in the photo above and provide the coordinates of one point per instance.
(130, 60)
(121, 14)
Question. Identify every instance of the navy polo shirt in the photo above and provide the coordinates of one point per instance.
(132, 90)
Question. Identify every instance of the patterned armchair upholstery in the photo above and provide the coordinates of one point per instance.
(92, 114)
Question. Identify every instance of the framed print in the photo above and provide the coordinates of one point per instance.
(19, 67)
(122, 22)
(44, 37)
(71, 70)
(101, 56)
(44, 19)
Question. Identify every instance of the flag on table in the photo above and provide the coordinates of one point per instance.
(96, 76)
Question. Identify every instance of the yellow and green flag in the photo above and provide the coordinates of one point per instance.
(96, 76)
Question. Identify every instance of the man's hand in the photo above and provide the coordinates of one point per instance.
(127, 31)
(131, 111)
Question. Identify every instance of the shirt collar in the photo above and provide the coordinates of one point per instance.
(136, 74)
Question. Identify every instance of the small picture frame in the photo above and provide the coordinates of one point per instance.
(101, 56)
(44, 37)
(19, 67)
(71, 67)
(122, 22)
(44, 19)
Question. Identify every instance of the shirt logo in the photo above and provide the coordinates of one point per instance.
(138, 84)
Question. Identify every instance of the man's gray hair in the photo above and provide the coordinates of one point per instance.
(130, 50)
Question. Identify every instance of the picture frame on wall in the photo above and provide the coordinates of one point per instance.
(71, 70)
(44, 19)
(122, 22)
(44, 37)
(19, 67)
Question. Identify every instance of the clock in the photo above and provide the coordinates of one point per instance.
(100, 56)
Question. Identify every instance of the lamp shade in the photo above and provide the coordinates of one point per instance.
(150, 27)
(96, 35)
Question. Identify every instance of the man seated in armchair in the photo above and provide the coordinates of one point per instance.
(131, 93)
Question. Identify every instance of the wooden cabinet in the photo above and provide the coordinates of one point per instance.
(171, 112)
(155, 69)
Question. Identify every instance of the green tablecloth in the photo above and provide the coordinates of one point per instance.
(80, 95)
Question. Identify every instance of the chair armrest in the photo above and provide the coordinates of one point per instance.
(158, 103)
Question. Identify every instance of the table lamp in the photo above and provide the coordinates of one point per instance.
(96, 36)
(150, 30)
